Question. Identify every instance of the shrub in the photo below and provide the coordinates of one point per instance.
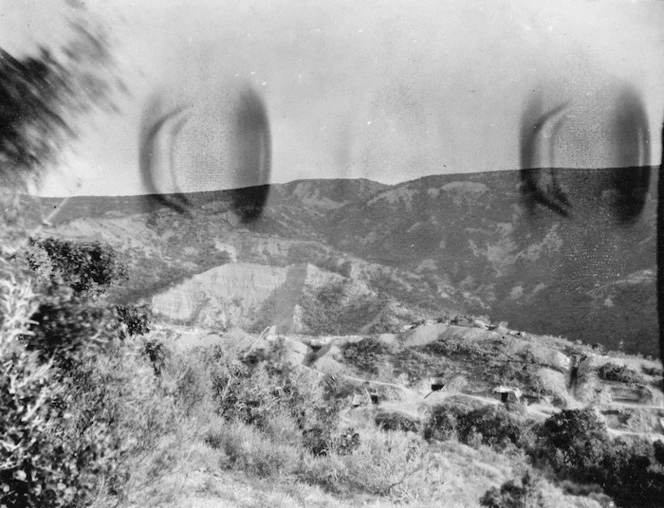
(576, 445)
(45, 459)
(384, 464)
(418, 365)
(494, 424)
(136, 318)
(490, 425)
(397, 421)
(84, 267)
(157, 353)
(519, 374)
(511, 495)
(64, 324)
(573, 442)
(77, 404)
(346, 442)
(257, 395)
(367, 355)
(324, 312)
(442, 423)
(246, 448)
(619, 373)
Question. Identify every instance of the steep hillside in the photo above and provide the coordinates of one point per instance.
(585, 277)
(431, 247)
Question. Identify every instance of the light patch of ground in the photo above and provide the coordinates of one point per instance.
(404, 194)
(517, 292)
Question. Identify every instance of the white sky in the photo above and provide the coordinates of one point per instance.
(388, 90)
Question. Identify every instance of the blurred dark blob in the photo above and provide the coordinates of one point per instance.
(154, 125)
(628, 132)
(254, 156)
(539, 185)
(250, 164)
(625, 183)
(631, 139)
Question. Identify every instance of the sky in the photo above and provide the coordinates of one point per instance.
(389, 90)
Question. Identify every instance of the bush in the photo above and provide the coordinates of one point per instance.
(135, 318)
(157, 353)
(619, 373)
(65, 324)
(442, 423)
(384, 464)
(367, 355)
(397, 421)
(576, 445)
(84, 267)
(573, 442)
(511, 495)
(491, 425)
(45, 458)
(255, 396)
(246, 448)
(495, 426)
(77, 404)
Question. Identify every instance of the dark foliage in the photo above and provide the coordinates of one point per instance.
(576, 445)
(396, 421)
(136, 318)
(367, 355)
(65, 324)
(256, 395)
(42, 95)
(441, 424)
(496, 426)
(157, 353)
(511, 495)
(347, 442)
(84, 267)
(493, 426)
(619, 373)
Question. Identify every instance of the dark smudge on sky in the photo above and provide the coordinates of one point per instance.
(251, 157)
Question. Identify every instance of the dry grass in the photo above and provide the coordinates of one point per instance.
(201, 459)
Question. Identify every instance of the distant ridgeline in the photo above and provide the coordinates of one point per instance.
(469, 237)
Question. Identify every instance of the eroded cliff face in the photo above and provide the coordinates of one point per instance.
(225, 296)
(244, 295)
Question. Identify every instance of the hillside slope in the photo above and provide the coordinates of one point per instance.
(434, 246)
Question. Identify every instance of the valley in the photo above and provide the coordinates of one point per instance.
(435, 247)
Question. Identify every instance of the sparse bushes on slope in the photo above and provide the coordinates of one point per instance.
(576, 445)
(573, 444)
(77, 403)
(258, 395)
(490, 425)
(367, 355)
(46, 459)
(248, 449)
